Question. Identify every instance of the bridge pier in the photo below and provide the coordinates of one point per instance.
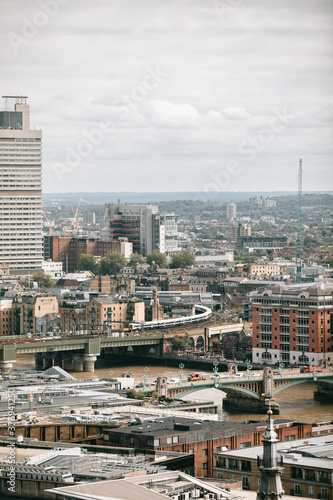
(47, 360)
(67, 361)
(251, 405)
(89, 363)
(78, 363)
(323, 392)
(38, 361)
(5, 367)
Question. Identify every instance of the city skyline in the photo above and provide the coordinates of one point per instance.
(181, 96)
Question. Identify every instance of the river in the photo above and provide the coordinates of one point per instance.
(296, 402)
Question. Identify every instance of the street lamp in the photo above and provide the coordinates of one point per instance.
(181, 367)
(146, 370)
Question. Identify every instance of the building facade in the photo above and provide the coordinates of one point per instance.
(21, 228)
(306, 473)
(6, 316)
(201, 438)
(142, 225)
(293, 324)
(68, 249)
(104, 314)
(28, 308)
(231, 211)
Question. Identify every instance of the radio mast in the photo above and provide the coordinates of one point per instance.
(299, 232)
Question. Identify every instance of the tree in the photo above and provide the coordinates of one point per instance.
(43, 280)
(88, 263)
(136, 258)
(112, 263)
(180, 343)
(157, 257)
(133, 394)
(182, 259)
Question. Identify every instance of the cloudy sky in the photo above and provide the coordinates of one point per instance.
(174, 95)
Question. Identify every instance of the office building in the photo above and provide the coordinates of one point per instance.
(231, 211)
(168, 221)
(293, 324)
(21, 242)
(68, 249)
(143, 225)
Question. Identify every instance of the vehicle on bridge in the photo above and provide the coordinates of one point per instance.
(308, 369)
(195, 376)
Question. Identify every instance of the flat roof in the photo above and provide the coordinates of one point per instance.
(297, 452)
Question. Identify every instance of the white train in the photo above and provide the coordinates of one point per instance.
(202, 314)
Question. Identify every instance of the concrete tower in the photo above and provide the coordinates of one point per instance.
(270, 480)
(21, 231)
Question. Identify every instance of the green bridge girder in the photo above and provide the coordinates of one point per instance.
(8, 351)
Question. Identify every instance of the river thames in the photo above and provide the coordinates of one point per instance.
(296, 403)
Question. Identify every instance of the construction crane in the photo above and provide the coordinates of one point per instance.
(299, 232)
(74, 221)
(51, 224)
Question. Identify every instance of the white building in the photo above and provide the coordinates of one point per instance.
(21, 227)
(126, 248)
(214, 260)
(53, 269)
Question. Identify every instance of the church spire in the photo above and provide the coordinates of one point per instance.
(270, 472)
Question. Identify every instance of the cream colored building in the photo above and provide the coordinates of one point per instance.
(103, 314)
(262, 269)
(29, 306)
(21, 242)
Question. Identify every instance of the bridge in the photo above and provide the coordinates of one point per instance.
(77, 352)
(253, 392)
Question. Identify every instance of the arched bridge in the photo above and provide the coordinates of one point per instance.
(255, 391)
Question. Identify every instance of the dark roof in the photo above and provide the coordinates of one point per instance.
(172, 425)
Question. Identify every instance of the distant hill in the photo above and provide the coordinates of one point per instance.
(128, 197)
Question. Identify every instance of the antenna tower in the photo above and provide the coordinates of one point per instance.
(299, 232)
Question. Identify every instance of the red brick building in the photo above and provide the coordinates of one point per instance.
(202, 438)
(68, 249)
(293, 324)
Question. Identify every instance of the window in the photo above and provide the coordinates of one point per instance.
(245, 482)
(205, 452)
(324, 493)
(175, 439)
(205, 466)
(311, 490)
(297, 489)
(169, 440)
(156, 442)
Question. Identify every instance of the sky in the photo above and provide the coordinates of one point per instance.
(174, 95)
